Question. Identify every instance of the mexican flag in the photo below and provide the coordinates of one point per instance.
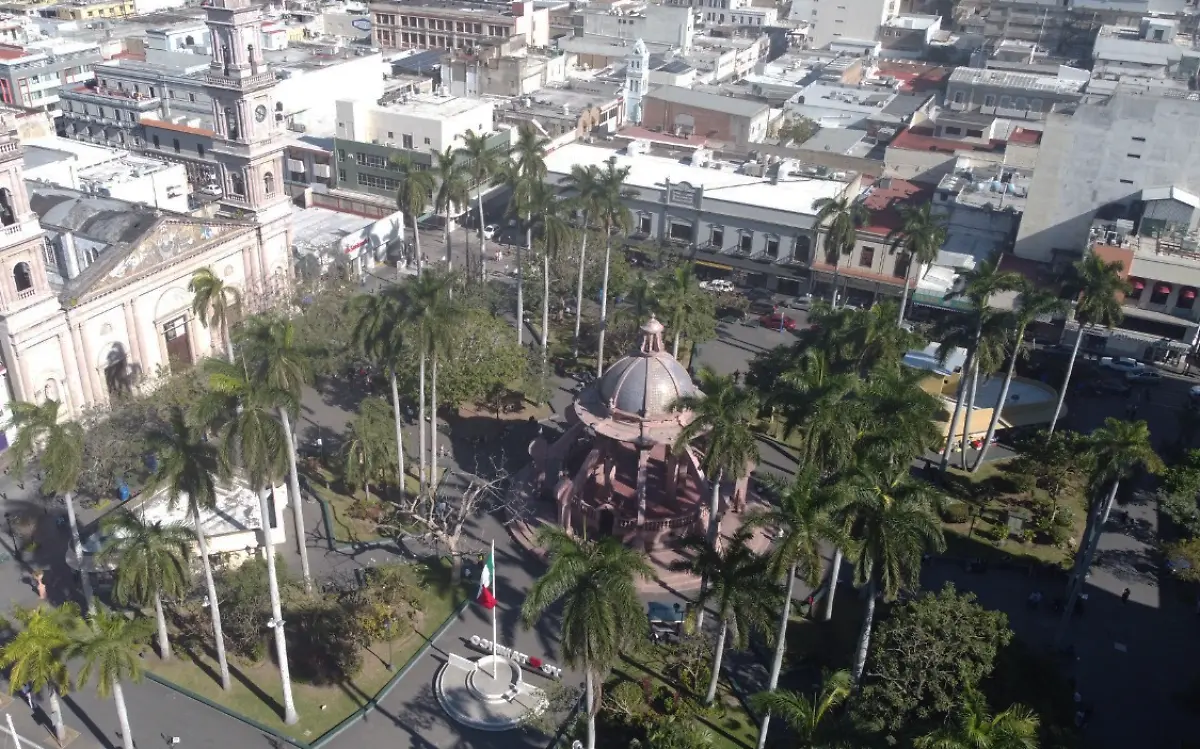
(487, 582)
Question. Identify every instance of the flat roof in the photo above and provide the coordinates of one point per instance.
(652, 172)
(1010, 79)
(435, 105)
(703, 100)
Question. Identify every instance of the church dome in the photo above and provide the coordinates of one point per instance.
(648, 381)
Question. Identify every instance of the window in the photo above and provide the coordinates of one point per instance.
(426, 141)
(175, 143)
(746, 241)
(681, 232)
(773, 246)
(200, 150)
(1035, 105)
(237, 184)
(1186, 298)
(378, 183)
(1160, 293)
(1126, 182)
(952, 130)
(644, 223)
(958, 97)
(22, 277)
(191, 97)
(1005, 102)
(974, 133)
(1136, 139)
(1133, 156)
(900, 269)
(407, 140)
(341, 154)
(1022, 103)
(866, 258)
(341, 175)
(717, 237)
(391, 136)
(156, 143)
(989, 100)
(269, 183)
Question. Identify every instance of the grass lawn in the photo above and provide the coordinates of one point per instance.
(256, 692)
(346, 528)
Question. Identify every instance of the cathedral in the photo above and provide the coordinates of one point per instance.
(94, 291)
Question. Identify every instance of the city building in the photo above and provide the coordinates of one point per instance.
(683, 111)
(724, 58)
(836, 20)
(733, 221)
(31, 76)
(782, 78)
(426, 123)
(180, 37)
(991, 94)
(865, 106)
(1065, 27)
(1098, 158)
(573, 110)
(673, 27)
(107, 172)
(1153, 49)
(909, 36)
(104, 306)
(488, 72)
(83, 10)
(464, 24)
(917, 155)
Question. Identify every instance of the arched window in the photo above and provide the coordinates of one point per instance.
(237, 184)
(231, 123)
(22, 277)
(188, 41)
(269, 183)
(8, 216)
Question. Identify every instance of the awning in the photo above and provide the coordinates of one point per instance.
(295, 165)
(718, 266)
(1138, 284)
(1188, 294)
(1162, 288)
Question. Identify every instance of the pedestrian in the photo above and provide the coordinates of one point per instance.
(1125, 595)
(737, 376)
(27, 694)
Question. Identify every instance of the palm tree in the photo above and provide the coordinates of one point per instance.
(723, 413)
(890, 518)
(584, 182)
(601, 611)
(526, 176)
(803, 519)
(188, 468)
(1100, 288)
(1117, 448)
(898, 418)
(979, 285)
(151, 560)
(974, 727)
(452, 192)
(413, 195)
(683, 303)
(251, 437)
(991, 348)
(844, 216)
(111, 652)
(548, 214)
(426, 310)
(213, 300)
(37, 655)
(482, 163)
(614, 216)
(1032, 304)
(378, 334)
(366, 456)
(740, 588)
(808, 717)
(279, 364)
(820, 406)
(60, 442)
(920, 237)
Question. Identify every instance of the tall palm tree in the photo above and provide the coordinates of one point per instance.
(44, 433)
(973, 727)
(819, 405)
(809, 718)
(890, 517)
(898, 419)
(279, 364)
(614, 216)
(991, 348)
(1032, 304)
(601, 611)
(1117, 448)
(723, 414)
(803, 519)
(548, 215)
(979, 285)
(920, 237)
(188, 469)
(526, 175)
(417, 185)
(740, 588)
(682, 302)
(366, 456)
(585, 184)
(212, 301)
(844, 215)
(151, 560)
(426, 311)
(378, 334)
(255, 441)
(482, 164)
(452, 193)
(110, 649)
(37, 655)
(1100, 288)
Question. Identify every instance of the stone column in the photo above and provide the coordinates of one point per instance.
(642, 470)
(671, 469)
(89, 365)
(134, 339)
(74, 385)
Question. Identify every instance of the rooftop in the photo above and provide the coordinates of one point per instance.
(991, 186)
(557, 102)
(841, 140)
(702, 100)
(921, 139)
(913, 21)
(1125, 44)
(435, 106)
(725, 184)
(883, 200)
(1008, 79)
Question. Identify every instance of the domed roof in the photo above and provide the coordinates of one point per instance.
(648, 381)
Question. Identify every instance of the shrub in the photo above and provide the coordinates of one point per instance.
(956, 512)
(324, 642)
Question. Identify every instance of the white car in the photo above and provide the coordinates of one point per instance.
(719, 284)
(1145, 376)
(489, 231)
(1122, 364)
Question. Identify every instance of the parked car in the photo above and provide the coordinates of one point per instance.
(775, 320)
(719, 284)
(489, 231)
(1121, 364)
(798, 303)
(1144, 376)
(1110, 387)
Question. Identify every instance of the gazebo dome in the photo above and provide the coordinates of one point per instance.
(645, 385)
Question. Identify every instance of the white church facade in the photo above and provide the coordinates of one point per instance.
(94, 291)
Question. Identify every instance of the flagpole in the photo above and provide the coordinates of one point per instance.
(493, 558)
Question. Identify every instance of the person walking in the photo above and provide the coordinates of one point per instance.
(1125, 595)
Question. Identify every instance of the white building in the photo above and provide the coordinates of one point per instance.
(107, 172)
(840, 105)
(833, 20)
(181, 37)
(420, 123)
(655, 24)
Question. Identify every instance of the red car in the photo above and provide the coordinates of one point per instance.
(774, 320)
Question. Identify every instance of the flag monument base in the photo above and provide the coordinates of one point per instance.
(488, 693)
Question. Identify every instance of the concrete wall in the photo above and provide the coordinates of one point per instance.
(735, 129)
(1105, 153)
(843, 19)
